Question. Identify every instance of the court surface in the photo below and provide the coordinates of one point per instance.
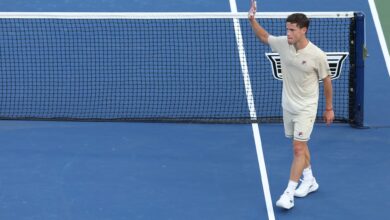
(104, 170)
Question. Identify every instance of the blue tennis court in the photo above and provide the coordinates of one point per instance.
(137, 170)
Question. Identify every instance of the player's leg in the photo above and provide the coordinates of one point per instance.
(299, 161)
(304, 127)
(286, 200)
(307, 158)
(299, 127)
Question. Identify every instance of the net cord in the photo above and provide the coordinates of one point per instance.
(165, 15)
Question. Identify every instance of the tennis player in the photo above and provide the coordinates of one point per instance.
(303, 66)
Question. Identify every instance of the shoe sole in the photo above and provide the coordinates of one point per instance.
(284, 207)
(312, 189)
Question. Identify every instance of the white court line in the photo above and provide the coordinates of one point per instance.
(252, 110)
(381, 36)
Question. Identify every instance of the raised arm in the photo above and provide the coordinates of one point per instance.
(260, 32)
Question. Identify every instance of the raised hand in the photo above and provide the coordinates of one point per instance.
(252, 10)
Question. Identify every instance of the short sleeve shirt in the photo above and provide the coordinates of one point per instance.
(301, 71)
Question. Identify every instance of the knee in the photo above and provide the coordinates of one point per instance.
(299, 148)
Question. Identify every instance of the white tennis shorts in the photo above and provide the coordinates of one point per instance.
(298, 126)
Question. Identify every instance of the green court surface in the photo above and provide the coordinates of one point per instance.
(384, 15)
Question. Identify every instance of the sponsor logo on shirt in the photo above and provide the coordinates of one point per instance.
(335, 61)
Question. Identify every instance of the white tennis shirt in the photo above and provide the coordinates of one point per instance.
(301, 71)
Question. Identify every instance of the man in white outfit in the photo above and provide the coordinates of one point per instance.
(303, 66)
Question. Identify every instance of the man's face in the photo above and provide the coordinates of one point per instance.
(294, 33)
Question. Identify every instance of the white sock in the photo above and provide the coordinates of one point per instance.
(292, 185)
(308, 173)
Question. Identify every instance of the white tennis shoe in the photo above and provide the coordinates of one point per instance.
(285, 201)
(306, 187)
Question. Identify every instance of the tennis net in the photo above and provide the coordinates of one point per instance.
(160, 66)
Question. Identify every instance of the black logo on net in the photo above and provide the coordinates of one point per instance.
(335, 60)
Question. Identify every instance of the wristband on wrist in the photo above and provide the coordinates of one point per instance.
(328, 109)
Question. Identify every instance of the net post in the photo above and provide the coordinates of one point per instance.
(357, 113)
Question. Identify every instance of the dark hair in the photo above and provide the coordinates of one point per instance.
(300, 19)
